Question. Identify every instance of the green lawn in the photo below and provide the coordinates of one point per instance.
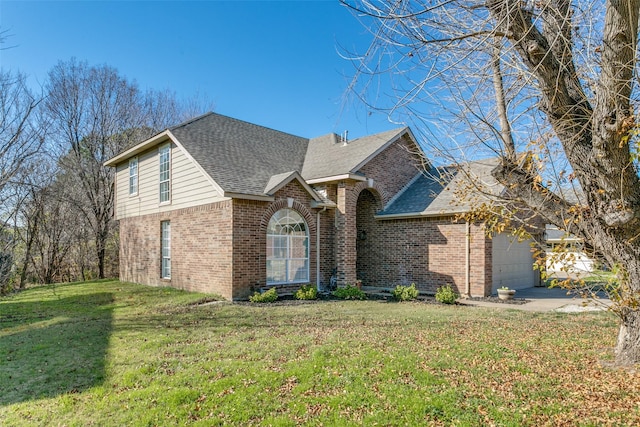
(111, 353)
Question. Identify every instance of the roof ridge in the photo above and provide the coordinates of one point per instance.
(191, 120)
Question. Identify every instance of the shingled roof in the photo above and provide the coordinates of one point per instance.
(247, 159)
(329, 155)
(239, 156)
(445, 191)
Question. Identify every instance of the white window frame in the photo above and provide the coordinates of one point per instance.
(165, 249)
(286, 242)
(164, 173)
(133, 176)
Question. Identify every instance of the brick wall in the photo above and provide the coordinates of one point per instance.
(219, 248)
(250, 221)
(429, 252)
(390, 170)
(393, 168)
(201, 244)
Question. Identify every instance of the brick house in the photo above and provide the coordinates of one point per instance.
(223, 206)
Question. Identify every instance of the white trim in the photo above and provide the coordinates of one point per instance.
(137, 149)
(257, 197)
(161, 148)
(380, 149)
(293, 175)
(289, 238)
(323, 204)
(342, 177)
(137, 175)
(162, 247)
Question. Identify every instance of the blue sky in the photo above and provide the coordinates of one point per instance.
(273, 63)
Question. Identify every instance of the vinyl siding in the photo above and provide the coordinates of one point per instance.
(189, 186)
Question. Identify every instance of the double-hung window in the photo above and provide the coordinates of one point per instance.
(165, 249)
(133, 176)
(164, 154)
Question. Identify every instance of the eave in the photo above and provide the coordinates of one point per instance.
(143, 146)
(343, 177)
(410, 215)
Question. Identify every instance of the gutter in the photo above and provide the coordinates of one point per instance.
(418, 215)
(332, 178)
(467, 249)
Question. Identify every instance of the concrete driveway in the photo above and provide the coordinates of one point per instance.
(546, 299)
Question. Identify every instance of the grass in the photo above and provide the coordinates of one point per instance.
(111, 353)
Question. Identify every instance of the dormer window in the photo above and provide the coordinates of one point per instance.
(164, 155)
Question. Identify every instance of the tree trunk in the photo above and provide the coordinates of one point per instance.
(628, 346)
(627, 349)
(101, 252)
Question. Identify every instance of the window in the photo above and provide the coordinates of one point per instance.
(133, 176)
(165, 249)
(164, 154)
(287, 248)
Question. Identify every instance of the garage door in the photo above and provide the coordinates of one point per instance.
(512, 263)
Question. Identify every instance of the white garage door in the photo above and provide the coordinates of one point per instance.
(512, 263)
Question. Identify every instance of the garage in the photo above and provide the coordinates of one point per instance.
(512, 263)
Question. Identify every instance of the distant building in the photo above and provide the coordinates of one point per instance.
(565, 252)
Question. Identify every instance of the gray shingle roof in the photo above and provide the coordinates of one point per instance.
(248, 159)
(445, 190)
(328, 156)
(239, 156)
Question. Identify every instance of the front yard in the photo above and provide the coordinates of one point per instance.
(111, 353)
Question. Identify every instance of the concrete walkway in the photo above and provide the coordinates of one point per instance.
(545, 299)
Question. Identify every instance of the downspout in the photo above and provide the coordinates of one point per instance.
(318, 247)
(468, 259)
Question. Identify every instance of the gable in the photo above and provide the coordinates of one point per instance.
(190, 186)
(393, 167)
(239, 156)
(243, 160)
(328, 156)
(445, 191)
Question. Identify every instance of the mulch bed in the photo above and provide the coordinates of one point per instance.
(514, 301)
(285, 300)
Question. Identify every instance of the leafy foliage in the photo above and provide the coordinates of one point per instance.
(349, 292)
(446, 295)
(268, 296)
(307, 292)
(405, 293)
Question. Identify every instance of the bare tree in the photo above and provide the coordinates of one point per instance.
(21, 137)
(95, 114)
(548, 86)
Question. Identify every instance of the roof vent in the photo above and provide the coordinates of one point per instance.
(344, 138)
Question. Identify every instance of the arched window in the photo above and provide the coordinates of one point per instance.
(287, 248)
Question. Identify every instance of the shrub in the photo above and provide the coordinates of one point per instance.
(446, 295)
(349, 292)
(268, 296)
(405, 293)
(307, 292)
